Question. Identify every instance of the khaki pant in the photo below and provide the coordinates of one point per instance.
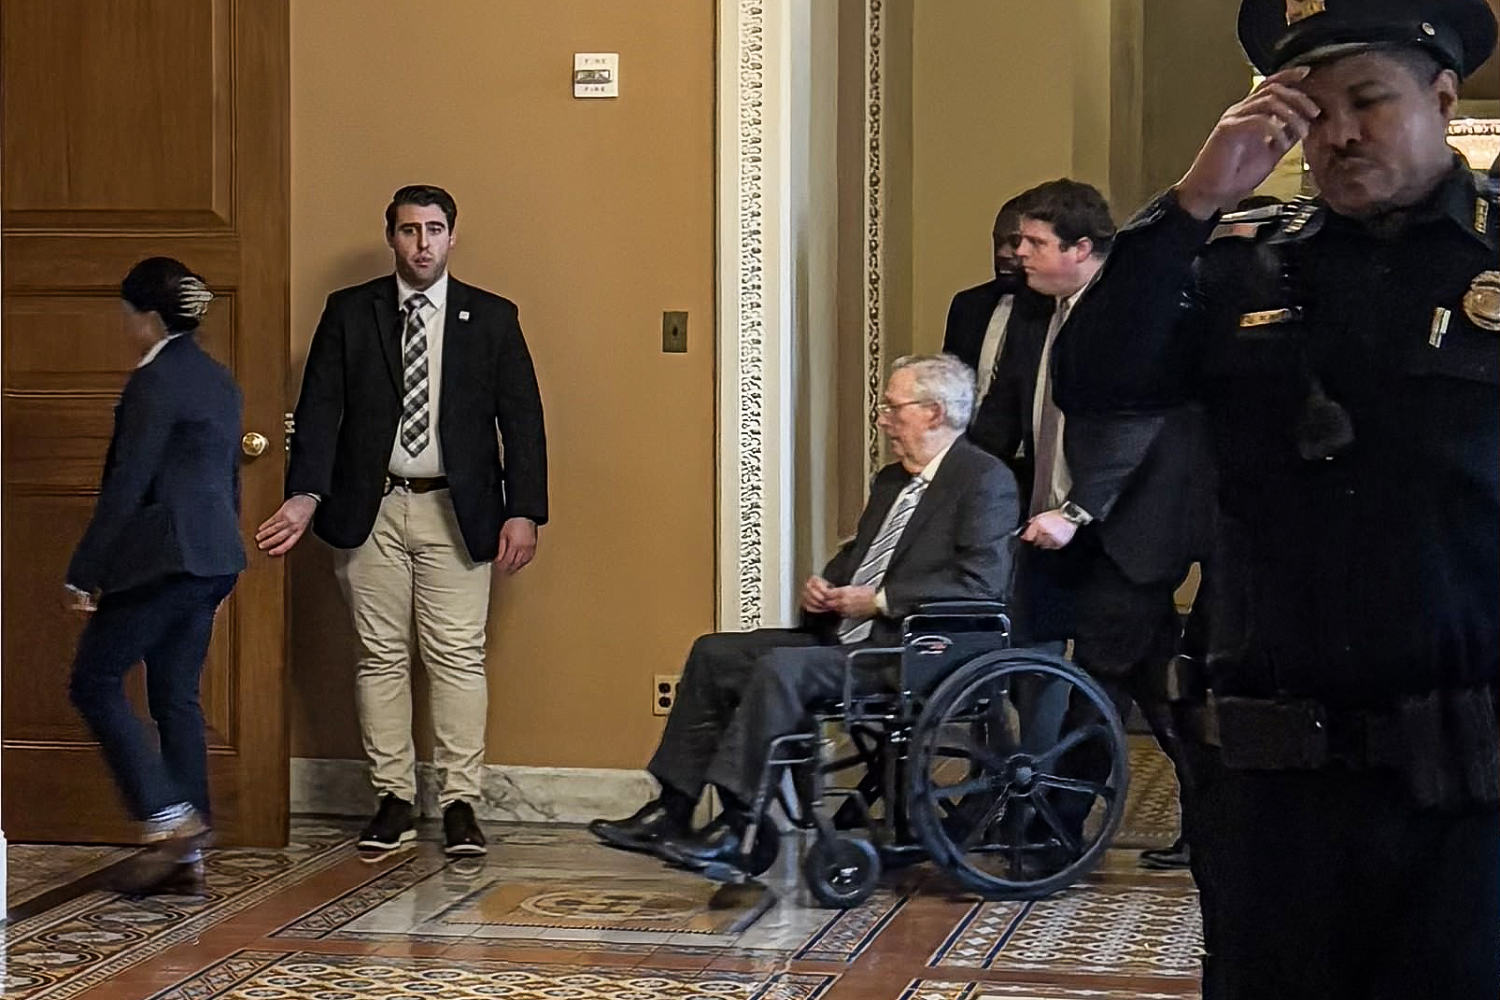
(415, 564)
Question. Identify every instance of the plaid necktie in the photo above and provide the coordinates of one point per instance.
(878, 557)
(415, 420)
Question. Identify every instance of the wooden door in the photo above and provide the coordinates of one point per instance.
(133, 128)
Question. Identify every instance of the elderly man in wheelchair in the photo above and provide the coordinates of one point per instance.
(911, 605)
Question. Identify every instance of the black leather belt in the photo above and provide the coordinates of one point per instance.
(417, 484)
(1293, 734)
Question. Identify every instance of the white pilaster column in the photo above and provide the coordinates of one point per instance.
(757, 106)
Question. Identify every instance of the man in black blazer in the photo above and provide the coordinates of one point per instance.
(396, 464)
(1118, 504)
(982, 320)
(935, 528)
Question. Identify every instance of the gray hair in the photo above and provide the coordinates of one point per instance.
(945, 380)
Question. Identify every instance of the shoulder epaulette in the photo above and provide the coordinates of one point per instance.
(1261, 213)
(1247, 224)
(1300, 218)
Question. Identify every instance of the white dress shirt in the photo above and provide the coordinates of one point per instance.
(1062, 480)
(428, 463)
(993, 344)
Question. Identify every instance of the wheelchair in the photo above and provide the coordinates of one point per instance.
(1005, 767)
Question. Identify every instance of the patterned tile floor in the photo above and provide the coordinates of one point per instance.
(36, 870)
(550, 914)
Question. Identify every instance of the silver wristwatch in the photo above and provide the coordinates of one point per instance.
(1074, 514)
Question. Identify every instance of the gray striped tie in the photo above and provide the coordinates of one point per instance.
(878, 557)
(415, 420)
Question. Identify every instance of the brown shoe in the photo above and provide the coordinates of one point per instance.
(178, 834)
(155, 874)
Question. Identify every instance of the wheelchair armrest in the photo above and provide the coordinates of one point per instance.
(961, 608)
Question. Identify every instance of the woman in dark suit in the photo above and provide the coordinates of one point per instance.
(161, 552)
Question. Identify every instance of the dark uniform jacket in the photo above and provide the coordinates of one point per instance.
(1357, 572)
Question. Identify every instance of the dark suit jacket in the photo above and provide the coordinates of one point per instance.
(968, 318)
(1002, 425)
(955, 547)
(350, 406)
(1147, 480)
(169, 500)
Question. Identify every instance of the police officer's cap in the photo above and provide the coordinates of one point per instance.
(1276, 34)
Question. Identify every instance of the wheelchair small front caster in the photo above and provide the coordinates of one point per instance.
(841, 872)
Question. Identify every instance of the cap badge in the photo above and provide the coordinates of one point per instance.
(1482, 300)
(1297, 10)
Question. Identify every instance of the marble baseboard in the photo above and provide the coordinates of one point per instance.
(510, 793)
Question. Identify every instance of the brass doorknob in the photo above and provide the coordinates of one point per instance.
(253, 444)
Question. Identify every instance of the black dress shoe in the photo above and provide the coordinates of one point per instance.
(642, 830)
(1167, 858)
(719, 843)
(392, 826)
(461, 834)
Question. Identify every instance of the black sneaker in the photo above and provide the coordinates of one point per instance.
(392, 826)
(461, 831)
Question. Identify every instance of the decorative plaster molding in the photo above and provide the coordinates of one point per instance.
(749, 373)
(874, 257)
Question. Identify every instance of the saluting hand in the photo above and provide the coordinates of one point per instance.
(517, 544)
(1247, 143)
(285, 528)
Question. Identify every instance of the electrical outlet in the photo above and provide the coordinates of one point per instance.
(674, 332)
(664, 693)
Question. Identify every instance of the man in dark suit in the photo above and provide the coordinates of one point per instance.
(159, 555)
(1116, 504)
(982, 319)
(396, 464)
(935, 528)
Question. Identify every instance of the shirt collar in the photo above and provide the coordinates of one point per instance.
(1457, 198)
(930, 469)
(151, 354)
(437, 294)
(1069, 301)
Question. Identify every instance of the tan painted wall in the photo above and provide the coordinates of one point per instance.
(594, 216)
(1004, 94)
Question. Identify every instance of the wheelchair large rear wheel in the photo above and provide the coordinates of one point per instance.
(1019, 769)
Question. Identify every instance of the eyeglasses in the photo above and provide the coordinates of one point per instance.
(886, 409)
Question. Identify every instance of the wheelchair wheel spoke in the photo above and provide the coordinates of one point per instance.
(1070, 741)
(984, 783)
(1091, 788)
(967, 748)
(990, 818)
(1014, 856)
(1049, 816)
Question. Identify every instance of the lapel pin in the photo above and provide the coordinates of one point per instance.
(463, 315)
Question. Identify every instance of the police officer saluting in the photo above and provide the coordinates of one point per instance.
(1346, 830)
